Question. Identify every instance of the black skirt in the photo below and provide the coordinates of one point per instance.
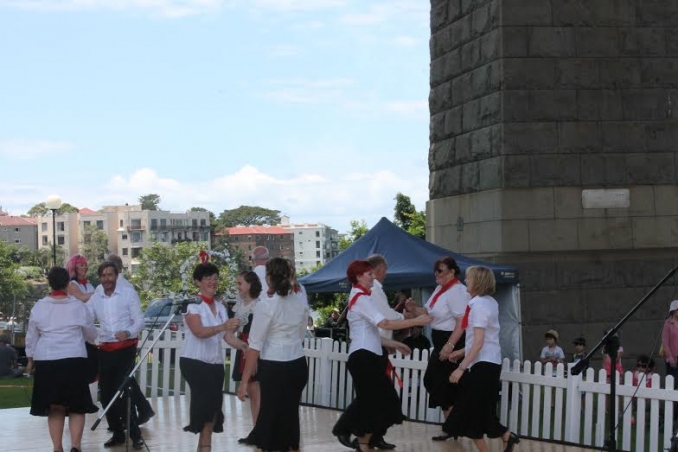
(61, 382)
(376, 406)
(281, 383)
(206, 382)
(475, 413)
(441, 392)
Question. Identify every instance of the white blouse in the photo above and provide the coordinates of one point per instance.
(84, 288)
(119, 312)
(58, 329)
(279, 327)
(363, 318)
(206, 349)
(381, 303)
(449, 306)
(484, 314)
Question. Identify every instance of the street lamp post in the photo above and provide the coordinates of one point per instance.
(53, 203)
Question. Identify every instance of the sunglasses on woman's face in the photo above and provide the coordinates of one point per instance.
(439, 271)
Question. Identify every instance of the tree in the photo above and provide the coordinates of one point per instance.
(94, 247)
(12, 283)
(158, 273)
(149, 202)
(358, 229)
(406, 216)
(248, 216)
(41, 210)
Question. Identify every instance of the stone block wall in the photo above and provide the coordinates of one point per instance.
(533, 101)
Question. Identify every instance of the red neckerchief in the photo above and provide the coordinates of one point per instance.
(297, 288)
(58, 293)
(82, 281)
(358, 294)
(443, 289)
(464, 321)
(208, 300)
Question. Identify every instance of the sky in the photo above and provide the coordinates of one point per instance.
(315, 108)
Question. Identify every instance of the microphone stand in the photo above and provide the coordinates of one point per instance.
(124, 390)
(611, 342)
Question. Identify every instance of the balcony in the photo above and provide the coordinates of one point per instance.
(136, 227)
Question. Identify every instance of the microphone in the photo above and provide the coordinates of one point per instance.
(187, 301)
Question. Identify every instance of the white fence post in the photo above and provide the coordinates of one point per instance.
(573, 408)
(324, 386)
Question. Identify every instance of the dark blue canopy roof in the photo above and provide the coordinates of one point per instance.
(410, 261)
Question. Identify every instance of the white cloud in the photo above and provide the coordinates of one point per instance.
(33, 149)
(333, 198)
(168, 8)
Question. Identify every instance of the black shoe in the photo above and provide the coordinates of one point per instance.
(75, 449)
(345, 440)
(137, 443)
(115, 440)
(512, 441)
(443, 437)
(245, 441)
(145, 416)
(383, 445)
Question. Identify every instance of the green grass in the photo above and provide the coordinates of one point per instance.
(15, 392)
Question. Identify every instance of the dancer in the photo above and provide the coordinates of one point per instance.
(376, 406)
(58, 327)
(447, 305)
(474, 413)
(249, 289)
(276, 355)
(202, 358)
(79, 286)
(118, 311)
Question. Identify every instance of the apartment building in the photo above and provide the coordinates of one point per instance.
(129, 229)
(18, 231)
(245, 238)
(315, 244)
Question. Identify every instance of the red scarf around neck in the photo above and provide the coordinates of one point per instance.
(442, 290)
(363, 291)
(58, 293)
(464, 321)
(208, 300)
(82, 281)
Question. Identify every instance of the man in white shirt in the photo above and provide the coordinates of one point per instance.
(118, 311)
(260, 256)
(380, 301)
(139, 401)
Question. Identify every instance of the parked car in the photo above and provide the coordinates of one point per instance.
(158, 312)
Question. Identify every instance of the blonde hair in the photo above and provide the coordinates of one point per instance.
(483, 280)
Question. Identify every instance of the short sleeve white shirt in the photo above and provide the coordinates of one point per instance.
(206, 349)
(450, 306)
(484, 314)
(279, 327)
(260, 270)
(58, 329)
(363, 318)
(84, 288)
(380, 301)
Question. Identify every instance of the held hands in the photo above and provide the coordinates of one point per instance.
(456, 355)
(423, 319)
(410, 305)
(230, 325)
(456, 376)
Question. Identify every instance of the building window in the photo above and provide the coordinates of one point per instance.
(154, 223)
(136, 252)
(196, 236)
(249, 247)
(16, 229)
(124, 236)
(300, 232)
(282, 236)
(136, 224)
(203, 222)
(205, 236)
(136, 237)
(61, 227)
(164, 236)
(17, 240)
(317, 263)
(44, 240)
(61, 240)
(86, 223)
(100, 224)
(317, 243)
(282, 247)
(249, 237)
(194, 223)
(163, 223)
(301, 243)
(125, 251)
(317, 254)
(317, 233)
(236, 238)
(44, 227)
(121, 223)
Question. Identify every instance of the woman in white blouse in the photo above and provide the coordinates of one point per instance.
(447, 305)
(202, 358)
(376, 406)
(58, 327)
(79, 286)
(276, 355)
(249, 289)
(474, 415)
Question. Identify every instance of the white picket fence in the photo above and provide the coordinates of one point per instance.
(536, 401)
